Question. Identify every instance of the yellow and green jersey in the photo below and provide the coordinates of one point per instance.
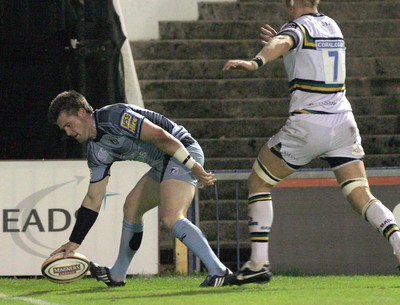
(316, 65)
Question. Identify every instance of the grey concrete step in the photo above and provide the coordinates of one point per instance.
(229, 130)
(247, 147)
(240, 153)
(222, 163)
(255, 88)
(226, 204)
(227, 207)
(212, 69)
(267, 10)
(180, 76)
(227, 231)
(260, 107)
(246, 29)
(226, 49)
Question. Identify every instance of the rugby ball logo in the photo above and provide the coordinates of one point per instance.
(60, 270)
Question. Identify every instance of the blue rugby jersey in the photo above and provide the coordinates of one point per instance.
(118, 138)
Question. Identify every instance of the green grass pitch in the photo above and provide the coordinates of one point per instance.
(177, 289)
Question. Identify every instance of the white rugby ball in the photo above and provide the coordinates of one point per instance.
(60, 270)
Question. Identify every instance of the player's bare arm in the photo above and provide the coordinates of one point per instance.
(95, 195)
(275, 48)
(173, 147)
(91, 202)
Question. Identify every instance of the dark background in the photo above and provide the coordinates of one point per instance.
(38, 60)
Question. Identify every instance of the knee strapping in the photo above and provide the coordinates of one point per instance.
(136, 241)
(349, 185)
(367, 205)
(380, 217)
(264, 173)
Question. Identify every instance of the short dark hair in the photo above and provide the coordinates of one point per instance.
(68, 101)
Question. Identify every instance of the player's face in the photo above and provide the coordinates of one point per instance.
(76, 126)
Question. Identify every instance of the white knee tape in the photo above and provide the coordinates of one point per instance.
(264, 174)
(349, 185)
(367, 205)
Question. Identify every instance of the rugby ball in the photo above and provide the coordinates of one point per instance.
(61, 270)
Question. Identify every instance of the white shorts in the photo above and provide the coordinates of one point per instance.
(305, 137)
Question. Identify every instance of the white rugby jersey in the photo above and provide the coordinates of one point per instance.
(316, 65)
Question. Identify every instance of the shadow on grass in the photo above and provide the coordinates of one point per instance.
(33, 293)
(179, 293)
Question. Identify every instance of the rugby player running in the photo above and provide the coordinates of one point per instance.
(321, 125)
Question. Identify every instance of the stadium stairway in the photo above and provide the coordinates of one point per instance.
(232, 114)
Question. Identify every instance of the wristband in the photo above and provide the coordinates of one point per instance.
(84, 222)
(259, 60)
(183, 156)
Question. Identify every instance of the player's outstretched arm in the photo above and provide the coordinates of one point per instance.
(241, 65)
(275, 48)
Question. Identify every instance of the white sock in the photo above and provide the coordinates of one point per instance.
(395, 242)
(260, 213)
(380, 217)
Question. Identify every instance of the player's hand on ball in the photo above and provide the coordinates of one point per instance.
(60, 269)
(68, 248)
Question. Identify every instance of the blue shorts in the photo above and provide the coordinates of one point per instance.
(173, 169)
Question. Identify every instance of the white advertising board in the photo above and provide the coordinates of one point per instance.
(38, 202)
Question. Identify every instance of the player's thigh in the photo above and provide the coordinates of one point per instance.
(350, 170)
(276, 166)
(175, 199)
(302, 139)
(346, 142)
(143, 197)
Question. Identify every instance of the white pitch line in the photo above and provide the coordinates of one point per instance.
(28, 300)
